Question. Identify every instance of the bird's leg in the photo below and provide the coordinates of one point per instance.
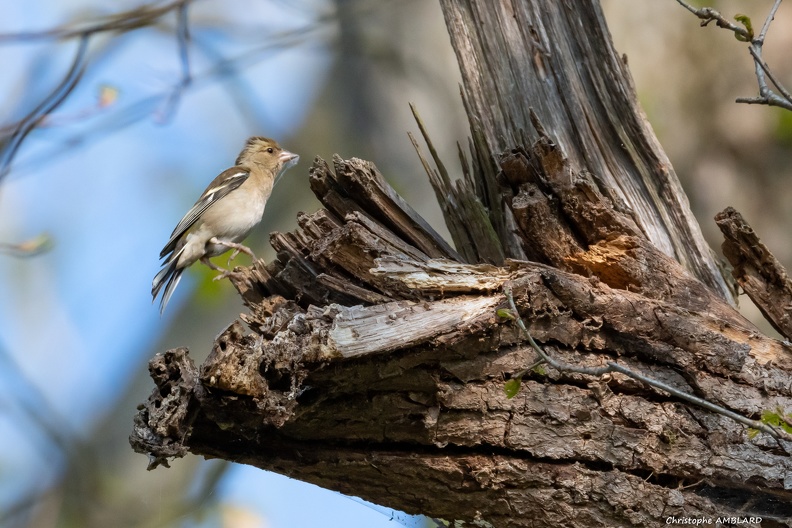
(233, 245)
(206, 262)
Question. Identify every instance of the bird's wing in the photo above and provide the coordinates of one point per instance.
(221, 186)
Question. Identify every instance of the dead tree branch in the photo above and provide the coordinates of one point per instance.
(386, 369)
(374, 356)
(757, 271)
(589, 107)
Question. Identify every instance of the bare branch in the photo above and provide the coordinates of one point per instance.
(162, 104)
(768, 20)
(183, 38)
(125, 21)
(745, 34)
(136, 18)
(183, 41)
(49, 104)
(757, 271)
(758, 59)
(707, 15)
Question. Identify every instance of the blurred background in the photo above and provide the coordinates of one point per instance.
(92, 193)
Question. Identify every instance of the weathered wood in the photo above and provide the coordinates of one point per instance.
(452, 381)
(361, 178)
(466, 217)
(375, 357)
(361, 330)
(420, 366)
(442, 276)
(757, 271)
(557, 59)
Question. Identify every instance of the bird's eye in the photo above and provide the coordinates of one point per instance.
(270, 150)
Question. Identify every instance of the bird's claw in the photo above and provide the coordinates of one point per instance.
(227, 273)
(232, 257)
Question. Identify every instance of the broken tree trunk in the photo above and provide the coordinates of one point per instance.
(374, 357)
(379, 369)
(557, 59)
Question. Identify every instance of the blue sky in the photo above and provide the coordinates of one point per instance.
(107, 185)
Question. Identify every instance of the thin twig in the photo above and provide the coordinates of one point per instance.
(758, 59)
(707, 15)
(142, 16)
(52, 101)
(183, 41)
(615, 367)
(132, 19)
(768, 20)
(127, 115)
(183, 38)
(745, 34)
(530, 367)
(766, 94)
(432, 150)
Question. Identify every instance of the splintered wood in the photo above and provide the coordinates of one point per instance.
(757, 271)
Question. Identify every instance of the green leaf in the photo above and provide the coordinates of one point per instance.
(777, 419)
(771, 418)
(745, 20)
(505, 313)
(752, 433)
(539, 369)
(512, 387)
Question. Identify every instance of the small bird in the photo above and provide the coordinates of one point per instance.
(224, 215)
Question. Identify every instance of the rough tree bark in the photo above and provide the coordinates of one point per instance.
(374, 355)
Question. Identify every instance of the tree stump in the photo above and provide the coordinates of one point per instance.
(374, 358)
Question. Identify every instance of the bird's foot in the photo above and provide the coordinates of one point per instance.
(223, 272)
(228, 273)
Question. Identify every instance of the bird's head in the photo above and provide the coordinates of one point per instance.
(267, 154)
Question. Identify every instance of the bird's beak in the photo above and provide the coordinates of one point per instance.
(288, 158)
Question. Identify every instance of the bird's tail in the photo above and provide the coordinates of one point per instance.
(169, 277)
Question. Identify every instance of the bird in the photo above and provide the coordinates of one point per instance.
(230, 207)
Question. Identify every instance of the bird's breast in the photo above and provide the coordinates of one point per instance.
(233, 217)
